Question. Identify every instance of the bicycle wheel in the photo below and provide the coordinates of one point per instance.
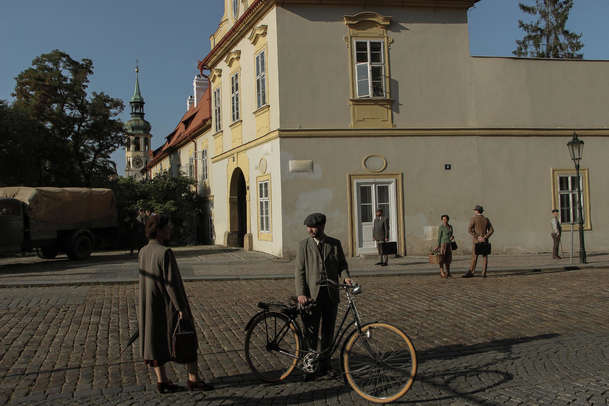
(380, 363)
(272, 347)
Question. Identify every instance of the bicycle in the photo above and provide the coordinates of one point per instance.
(377, 359)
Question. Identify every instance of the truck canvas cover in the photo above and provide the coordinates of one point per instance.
(53, 209)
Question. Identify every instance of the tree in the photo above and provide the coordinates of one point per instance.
(23, 151)
(547, 37)
(83, 130)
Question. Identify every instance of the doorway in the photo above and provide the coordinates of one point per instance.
(370, 195)
(238, 209)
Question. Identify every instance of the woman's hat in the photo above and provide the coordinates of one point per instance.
(479, 208)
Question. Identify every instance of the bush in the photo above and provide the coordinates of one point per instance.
(172, 196)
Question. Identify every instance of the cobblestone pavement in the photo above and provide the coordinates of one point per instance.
(215, 262)
(539, 338)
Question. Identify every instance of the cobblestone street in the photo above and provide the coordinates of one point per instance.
(532, 338)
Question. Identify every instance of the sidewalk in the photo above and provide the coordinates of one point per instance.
(221, 263)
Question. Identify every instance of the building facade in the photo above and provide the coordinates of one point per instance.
(137, 152)
(347, 106)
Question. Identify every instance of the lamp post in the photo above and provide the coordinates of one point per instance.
(576, 147)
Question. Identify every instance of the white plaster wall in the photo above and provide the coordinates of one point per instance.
(269, 151)
(220, 202)
(509, 176)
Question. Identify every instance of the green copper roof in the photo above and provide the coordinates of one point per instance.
(137, 95)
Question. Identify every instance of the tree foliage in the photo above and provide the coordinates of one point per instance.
(164, 194)
(548, 37)
(81, 131)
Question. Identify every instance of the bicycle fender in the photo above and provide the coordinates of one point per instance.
(253, 319)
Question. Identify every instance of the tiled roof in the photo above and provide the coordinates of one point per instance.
(193, 120)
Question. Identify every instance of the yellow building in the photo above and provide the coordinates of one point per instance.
(346, 106)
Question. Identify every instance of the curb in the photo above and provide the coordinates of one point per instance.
(362, 273)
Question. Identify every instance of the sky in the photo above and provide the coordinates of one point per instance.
(168, 38)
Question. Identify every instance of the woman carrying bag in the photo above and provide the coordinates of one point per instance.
(166, 328)
(444, 248)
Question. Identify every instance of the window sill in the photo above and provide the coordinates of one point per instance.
(371, 100)
(236, 124)
(262, 109)
(217, 133)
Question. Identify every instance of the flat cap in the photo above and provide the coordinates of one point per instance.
(479, 208)
(315, 219)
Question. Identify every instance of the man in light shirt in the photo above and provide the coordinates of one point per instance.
(556, 232)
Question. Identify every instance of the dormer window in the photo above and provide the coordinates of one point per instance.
(236, 9)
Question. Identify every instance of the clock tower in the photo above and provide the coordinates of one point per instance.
(137, 129)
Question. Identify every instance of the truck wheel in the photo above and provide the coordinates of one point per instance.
(48, 252)
(81, 246)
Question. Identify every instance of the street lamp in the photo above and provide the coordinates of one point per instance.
(576, 147)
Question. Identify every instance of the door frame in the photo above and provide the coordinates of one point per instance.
(392, 214)
(352, 178)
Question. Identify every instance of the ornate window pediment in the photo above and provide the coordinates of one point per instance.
(366, 20)
(232, 57)
(215, 74)
(257, 33)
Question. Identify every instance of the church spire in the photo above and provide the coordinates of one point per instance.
(137, 101)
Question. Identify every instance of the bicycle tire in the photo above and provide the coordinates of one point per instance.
(373, 376)
(268, 363)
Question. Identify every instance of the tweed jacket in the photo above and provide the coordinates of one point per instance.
(310, 265)
(480, 226)
(380, 228)
(161, 297)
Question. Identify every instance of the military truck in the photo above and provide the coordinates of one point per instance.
(52, 220)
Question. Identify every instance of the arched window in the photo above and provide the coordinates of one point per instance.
(146, 144)
(136, 144)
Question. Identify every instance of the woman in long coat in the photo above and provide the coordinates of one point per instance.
(445, 237)
(162, 303)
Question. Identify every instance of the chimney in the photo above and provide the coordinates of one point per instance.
(190, 103)
(200, 84)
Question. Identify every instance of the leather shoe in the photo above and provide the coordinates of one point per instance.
(168, 387)
(199, 386)
(309, 377)
(379, 263)
(468, 274)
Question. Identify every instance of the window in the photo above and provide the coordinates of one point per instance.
(146, 144)
(136, 144)
(204, 165)
(235, 97)
(217, 109)
(263, 206)
(236, 8)
(370, 68)
(260, 80)
(566, 198)
(191, 167)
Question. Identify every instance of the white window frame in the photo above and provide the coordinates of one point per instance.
(218, 109)
(236, 8)
(261, 79)
(572, 196)
(264, 203)
(191, 167)
(368, 66)
(235, 110)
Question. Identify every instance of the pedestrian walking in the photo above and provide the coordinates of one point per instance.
(319, 258)
(163, 308)
(380, 233)
(481, 229)
(445, 240)
(556, 234)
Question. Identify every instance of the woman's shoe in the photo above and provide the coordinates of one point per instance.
(167, 387)
(199, 385)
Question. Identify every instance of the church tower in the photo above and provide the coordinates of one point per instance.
(137, 151)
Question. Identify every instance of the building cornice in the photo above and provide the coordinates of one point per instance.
(442, 132)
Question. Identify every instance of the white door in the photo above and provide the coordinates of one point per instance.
(371, 195)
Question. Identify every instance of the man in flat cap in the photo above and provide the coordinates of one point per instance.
(481, 230)
(556, 233)
(319, 257)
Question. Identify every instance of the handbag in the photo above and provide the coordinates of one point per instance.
(434, 258)
(482, 248)
(453, 245)
(184, 344)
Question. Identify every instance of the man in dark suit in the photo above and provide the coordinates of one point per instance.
(380, 233)
(319, 257)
